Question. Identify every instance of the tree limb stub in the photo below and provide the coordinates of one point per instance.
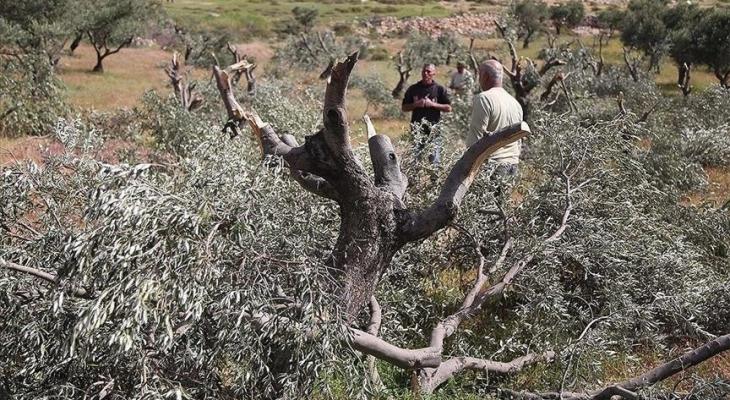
(458, 182)
(386, 163)
(334, 112)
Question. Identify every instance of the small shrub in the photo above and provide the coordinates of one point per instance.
(379, 54)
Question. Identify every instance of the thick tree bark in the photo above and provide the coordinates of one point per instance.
(404, 71)
(683, 78)
(75, 43)
(99, 67)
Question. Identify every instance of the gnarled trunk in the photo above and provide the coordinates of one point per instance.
(365, 246)
(375, 223)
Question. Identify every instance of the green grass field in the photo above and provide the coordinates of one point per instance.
(246, 19)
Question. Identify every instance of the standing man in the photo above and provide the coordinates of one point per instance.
(461, 79)
(427, 100)
(493, 109)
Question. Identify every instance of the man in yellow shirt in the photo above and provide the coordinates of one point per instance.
(494, 108)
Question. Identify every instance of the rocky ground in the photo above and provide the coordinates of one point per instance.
(466, 25)
(470, 25)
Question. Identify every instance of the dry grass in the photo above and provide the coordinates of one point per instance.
(127, 76)
(621, 368)
(25, 149)
(718, 189)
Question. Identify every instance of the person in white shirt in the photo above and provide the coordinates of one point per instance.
(461, 79)
(493, 109)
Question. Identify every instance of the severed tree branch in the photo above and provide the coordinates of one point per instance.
(558, 77)
(664, 371)
(627, 389)
(400, 357)
(189, 99)
(7, 112)
(236, 115)
(552, 62)
(445, 208)
(431, 356)
(376, 318)
(245, 68)
(46, 276)
(645, 116)
(433, 378)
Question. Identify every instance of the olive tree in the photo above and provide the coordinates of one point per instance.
(643, 28)
(33, 27)
(202, 272)
(375, 222)
(112, 25)
(315, 49)
(530, 16)
(713, 47)
(682, 21)
(568, 14)
(422, 49)
(31, 96)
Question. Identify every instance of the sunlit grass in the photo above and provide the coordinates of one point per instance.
(127, 75)
(246, 18)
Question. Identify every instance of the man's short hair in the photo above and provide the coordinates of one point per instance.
(460, 64)
(492, 69)
(426, 65)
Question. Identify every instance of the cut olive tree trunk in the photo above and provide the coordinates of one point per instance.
(374, 221)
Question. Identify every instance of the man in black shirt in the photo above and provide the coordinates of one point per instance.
(427, 100)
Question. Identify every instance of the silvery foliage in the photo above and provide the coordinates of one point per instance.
(644, 268)
(696, 126)
(31, 96)
(206, 275)
(176, 259)
(173, 128)
(685, 133)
